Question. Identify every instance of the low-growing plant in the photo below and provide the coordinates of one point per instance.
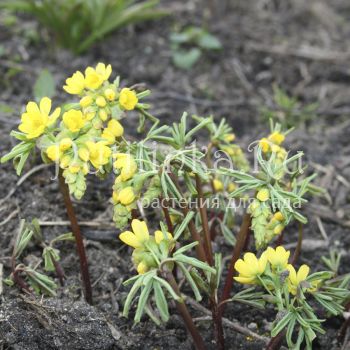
(78, 24)
(28, 277)
(287, 110)
(188, 46)
(196, 192)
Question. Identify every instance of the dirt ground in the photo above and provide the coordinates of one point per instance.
(303, 46)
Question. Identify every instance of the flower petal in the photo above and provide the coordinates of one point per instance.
(45, 105)
(130, 239)
(140, 229)
(303, 273)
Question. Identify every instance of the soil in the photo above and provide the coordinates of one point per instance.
(300, 45)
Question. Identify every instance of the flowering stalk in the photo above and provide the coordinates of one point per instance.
(183, 311)
(218, 330)
(78, 239)
(241, 239)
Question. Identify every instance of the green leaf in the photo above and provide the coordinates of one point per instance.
(161, 301)
(209, 42)
(191, 282)
(186, 59)
(184, 224)
(134, 289)
(146, 290)
(45, 85)
(168, 287)
(282, 324)
(194, 262)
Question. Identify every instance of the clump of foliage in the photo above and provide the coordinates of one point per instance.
(287, 110)
(196, 193)
(188, 46)
(78, 24)
(29, 277)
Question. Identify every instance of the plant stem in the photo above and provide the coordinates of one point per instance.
(59, 270)
(204, 219)
(275, 343)
(183, 311)
(165, 209)
(241, 239)
(218, 330)
(78, 238)
(299, 244)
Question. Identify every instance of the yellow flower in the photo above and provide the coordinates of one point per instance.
(86, 101)
(295, 278)
(99, 153)
(159, 236)
(264, 144)
(231, 187)
(73, 120)
(278, 229)
(103, 70)
(53, 152)
(103, 114)
(75, 84)
(37, 118)
(250, 267)
(278, 216)
(115, 127)
(108, 136)
(138, 237)
(65, 161)
(230, 137)
(110, 94)
(126, 196)
(278, 257)
(93, 80)
(277, 138)
(74, 168)
(115, 197)
(128, 99)
(263, 195)
(218, 185)
(142, 268)
(127, 164)
(83, 154)
(66, 143)
(101, 101)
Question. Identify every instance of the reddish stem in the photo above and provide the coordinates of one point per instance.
(184, 313)
(275, 343)
(241, 240)
(78, 239)
(166, 214)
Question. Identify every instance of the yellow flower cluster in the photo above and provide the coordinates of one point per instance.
(265, 223)
(272, 144)
(98, 96)
(84, 135)
(146, 247)
(124, 196)
(252, 270)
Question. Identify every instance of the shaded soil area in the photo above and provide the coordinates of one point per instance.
(302, 46)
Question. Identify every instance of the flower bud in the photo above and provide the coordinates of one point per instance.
(126, 195)
(263, 195)
(53, 152)
(110, 94)
(86, 101)
(66, 143)
(101, 101)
